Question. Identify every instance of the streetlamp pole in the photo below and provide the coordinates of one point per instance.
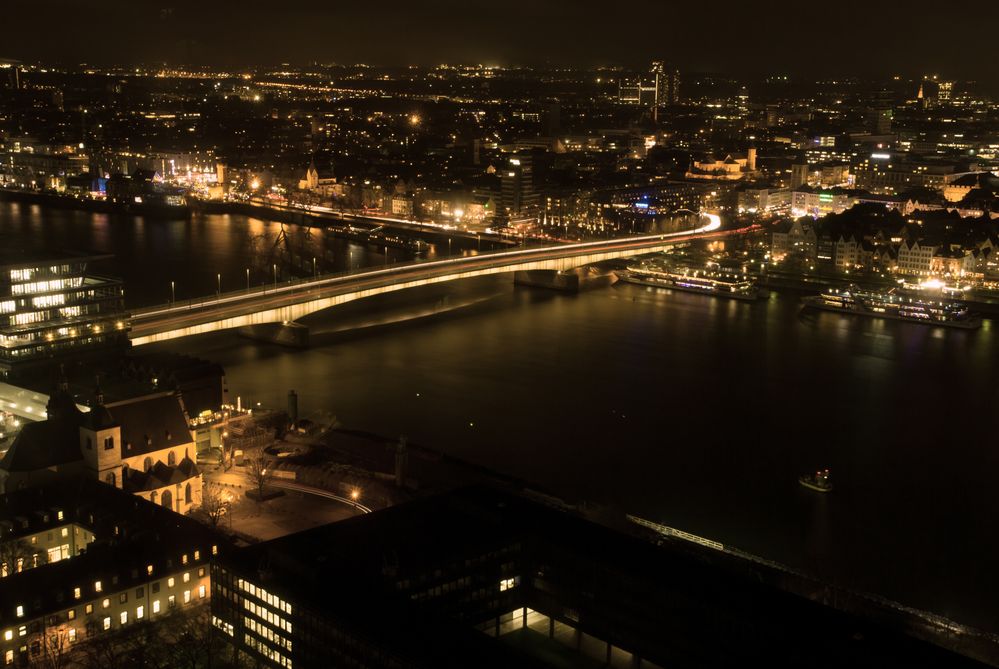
(247, 279)
(219, 278)
(173, 293)
(274, 266)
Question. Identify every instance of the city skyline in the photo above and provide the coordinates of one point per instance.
(869, 39)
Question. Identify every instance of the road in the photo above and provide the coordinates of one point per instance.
(238, 478)
(175, 317)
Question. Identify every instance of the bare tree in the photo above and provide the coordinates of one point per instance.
(15, 556)
(258, 466)
(216, 502)
(53, 649)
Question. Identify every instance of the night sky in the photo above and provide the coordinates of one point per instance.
(796, 38)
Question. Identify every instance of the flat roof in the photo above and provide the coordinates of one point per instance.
(16, 258)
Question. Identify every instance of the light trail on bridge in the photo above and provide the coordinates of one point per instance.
(289, 301)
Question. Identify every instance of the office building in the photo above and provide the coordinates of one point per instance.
(485, 578)
(519, 200)
(54, 307)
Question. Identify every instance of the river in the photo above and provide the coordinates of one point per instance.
(685, 409)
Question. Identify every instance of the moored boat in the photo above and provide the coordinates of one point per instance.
(706, 283)
(891, 304)
(819, 481)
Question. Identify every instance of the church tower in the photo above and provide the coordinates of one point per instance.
(100, 443)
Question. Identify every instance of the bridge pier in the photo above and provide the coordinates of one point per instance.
(570, 281)
(291, 334)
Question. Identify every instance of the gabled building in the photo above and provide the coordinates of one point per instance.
(915, 258)
(142, 445)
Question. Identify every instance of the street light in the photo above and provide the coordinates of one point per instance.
(247, 279)
(315, 271)
(219, 278)
(173, 293)
(275, 274)
(355, 494)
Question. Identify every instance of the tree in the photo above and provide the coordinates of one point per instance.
(54, 650)
(15, 556)
(259, 469)
(216, 502)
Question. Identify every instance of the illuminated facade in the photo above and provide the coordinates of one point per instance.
(51, 307)
(95, 568)
(142, 445)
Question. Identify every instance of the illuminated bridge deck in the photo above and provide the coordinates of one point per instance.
(290, 301)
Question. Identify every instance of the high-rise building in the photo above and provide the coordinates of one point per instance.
(945, 88)
(10, 74)
(518, 197)
(53, 306)
(659, 88)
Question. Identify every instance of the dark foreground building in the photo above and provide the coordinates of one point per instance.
(482, 578)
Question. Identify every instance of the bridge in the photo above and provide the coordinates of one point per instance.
(287, 302)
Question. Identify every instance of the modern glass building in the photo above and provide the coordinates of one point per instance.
(51, 306)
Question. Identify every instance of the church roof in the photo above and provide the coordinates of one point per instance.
(150, 423)
(48, 443)
(159, 476)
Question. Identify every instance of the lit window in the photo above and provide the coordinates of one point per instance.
(201, 592)
(187, 577)
(124, 617)
(156, 606)
(106, 603)
(8, 635)
(140, 612)
(149, 569)
(20, 611)
(72, 634)
(170, 582)
(76, 593)
(71, 614)
(187, 596)
(97, 586)
(171, 601)
(107, 623)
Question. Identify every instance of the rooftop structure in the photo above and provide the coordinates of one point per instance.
(484, 578)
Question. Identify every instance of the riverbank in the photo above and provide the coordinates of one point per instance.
(71, 202)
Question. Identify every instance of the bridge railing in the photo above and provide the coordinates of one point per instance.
(321, 279)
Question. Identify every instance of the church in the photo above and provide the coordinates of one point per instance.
(141, 445)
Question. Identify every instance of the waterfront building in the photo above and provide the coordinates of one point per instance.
(53, 307)
(143, 446)
(485, 578)
(796, 237)
(88, 560)
(519, 200)
(915, 258)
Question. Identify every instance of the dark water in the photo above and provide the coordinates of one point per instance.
(688, 410)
